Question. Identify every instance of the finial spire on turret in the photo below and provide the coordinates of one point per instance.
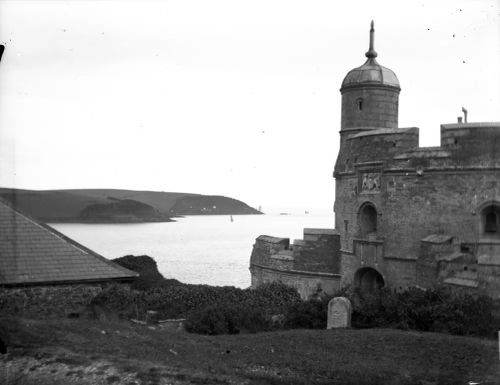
(371, 54)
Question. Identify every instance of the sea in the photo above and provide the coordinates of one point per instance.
(208, 249)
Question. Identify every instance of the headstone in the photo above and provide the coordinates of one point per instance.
(339, 313)
(151, 317)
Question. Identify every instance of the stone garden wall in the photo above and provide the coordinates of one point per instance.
(48, 301)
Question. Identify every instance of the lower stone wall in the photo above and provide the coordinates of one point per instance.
(400, 273)
(306, 283)
(48, 301)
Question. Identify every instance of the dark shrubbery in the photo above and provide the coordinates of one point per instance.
(216, 310)
(249, 310)
(441, 309)
(311, 314)
(117, 300)
(229, 310)
(227, 319)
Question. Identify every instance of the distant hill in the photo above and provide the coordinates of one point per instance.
(113, 205)
(122, 210)
(210, 204)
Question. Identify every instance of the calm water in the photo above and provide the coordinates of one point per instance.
(195, 249)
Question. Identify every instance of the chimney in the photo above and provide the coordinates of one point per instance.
(464, 110)
(459, 119)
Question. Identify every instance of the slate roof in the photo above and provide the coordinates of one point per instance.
(34, 253)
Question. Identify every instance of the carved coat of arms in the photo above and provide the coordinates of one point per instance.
(370, 182)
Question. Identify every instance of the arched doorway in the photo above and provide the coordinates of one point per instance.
(367, 219)
(368, 279)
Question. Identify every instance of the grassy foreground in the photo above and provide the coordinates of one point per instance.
(80, 351)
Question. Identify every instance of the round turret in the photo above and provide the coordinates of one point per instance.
(370, 94)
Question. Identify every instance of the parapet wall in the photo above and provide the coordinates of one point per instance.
(472, 144)
(370, 145)
(307, 284)
(310, 265)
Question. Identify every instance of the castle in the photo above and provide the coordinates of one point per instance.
(404, 215)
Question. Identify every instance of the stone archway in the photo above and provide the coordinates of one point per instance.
(368, 279)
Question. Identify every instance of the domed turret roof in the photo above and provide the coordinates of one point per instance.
(371, 73)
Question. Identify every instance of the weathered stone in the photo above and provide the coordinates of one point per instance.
(339, 313)
(398, 205)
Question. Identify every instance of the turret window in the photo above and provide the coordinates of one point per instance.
(359, 103)
(367, 220)
(491, 220)
(491, 223)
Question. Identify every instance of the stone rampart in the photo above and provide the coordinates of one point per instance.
(310, 265)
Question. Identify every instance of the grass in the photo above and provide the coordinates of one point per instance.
(296, 357)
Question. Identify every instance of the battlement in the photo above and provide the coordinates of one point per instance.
(317, 256)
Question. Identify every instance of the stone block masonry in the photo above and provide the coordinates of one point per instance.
(404, 215)
(311, 265)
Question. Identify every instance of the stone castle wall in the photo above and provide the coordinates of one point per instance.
(417, 192)
(404, 215)
(311, 265)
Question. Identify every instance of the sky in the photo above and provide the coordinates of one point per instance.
(224, 97)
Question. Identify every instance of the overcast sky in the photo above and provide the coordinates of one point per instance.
(235, 98)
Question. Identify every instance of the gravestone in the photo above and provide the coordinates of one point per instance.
(339, 313)
(151, 317)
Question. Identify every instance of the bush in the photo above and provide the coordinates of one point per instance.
(179, 301)
(239, 310)
(229, 310)
(227, 319)
(213, 320)
(117, 300)
(441, 309)
(310, 314)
